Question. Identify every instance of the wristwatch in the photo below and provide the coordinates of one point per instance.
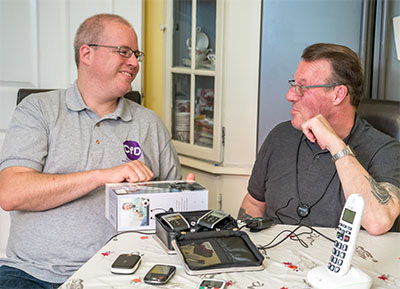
(347, 151)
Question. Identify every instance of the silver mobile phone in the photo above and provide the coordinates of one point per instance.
(211, 284)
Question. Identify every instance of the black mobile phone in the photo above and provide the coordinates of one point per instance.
(159, 274)
(126, 264)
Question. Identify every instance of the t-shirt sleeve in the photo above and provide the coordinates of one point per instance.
(385, 164)
(25, 143)
(256, 186)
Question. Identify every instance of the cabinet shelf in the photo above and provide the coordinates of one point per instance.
(188, 70)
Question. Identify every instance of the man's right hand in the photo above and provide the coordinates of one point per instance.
(46, 191)
(132, 172)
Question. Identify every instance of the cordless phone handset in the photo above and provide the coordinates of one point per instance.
(346, 236)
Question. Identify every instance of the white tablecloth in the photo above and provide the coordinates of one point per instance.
(286, 265)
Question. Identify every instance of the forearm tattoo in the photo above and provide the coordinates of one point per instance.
(242, 215)
(383, 192)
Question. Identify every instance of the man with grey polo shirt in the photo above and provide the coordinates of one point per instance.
(307, 168)
(64, 145)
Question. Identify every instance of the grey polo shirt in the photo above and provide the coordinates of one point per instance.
(273, 178)
(56, 133)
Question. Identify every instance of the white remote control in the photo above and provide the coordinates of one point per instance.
(346, 236)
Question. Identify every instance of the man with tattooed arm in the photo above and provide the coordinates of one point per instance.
(307, 168)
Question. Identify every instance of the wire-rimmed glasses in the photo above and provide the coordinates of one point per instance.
(124, 51)
(299, 88)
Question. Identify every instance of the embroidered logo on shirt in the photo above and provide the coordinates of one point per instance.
(132, 150)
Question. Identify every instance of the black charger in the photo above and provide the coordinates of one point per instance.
(258, 224)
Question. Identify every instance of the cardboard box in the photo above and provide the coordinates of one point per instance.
(132, 206)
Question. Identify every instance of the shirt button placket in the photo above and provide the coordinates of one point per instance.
(97, 140)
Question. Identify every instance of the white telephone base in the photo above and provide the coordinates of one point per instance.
(320, 278)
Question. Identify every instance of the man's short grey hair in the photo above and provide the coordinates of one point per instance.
(91, 31)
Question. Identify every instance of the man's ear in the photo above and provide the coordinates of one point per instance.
(340, 94)
(85, 54)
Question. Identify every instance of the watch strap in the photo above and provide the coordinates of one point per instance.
(347, 151)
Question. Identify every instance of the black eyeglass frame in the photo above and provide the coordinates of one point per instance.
(138, 54)
(301, 87)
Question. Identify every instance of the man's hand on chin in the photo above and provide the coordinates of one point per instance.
(318, 129)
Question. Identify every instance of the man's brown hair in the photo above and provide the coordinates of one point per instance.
(346, 67)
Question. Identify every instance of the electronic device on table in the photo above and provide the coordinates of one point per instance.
(211, 284)
(339, 273)
(346, 236)
(212, 218)
(126, 264)
(171, 224)
(159, 274)
(176, 221)
(213, 252)
(258, 224)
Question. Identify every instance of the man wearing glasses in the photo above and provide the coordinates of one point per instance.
(64, 145)
(307, 168)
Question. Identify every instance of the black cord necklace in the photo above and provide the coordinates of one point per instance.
(303, 209)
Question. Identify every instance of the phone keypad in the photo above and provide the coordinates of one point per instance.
(178, 223)
(211, 219)
(340, 247)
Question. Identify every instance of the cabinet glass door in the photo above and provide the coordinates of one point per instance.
(204, 111)
(182, 33)
(205, 34)
(192, 79)
(181, 107)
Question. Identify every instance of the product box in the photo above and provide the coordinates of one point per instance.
(132, 206)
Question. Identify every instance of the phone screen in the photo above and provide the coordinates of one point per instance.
(159, 274)
(348, 216)
(211, 283)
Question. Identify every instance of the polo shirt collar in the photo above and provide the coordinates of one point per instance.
(74, 99)
(123, 111)
(75, 102)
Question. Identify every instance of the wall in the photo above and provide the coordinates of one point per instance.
(153, 43)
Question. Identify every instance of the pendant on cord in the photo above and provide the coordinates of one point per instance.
(303, 210)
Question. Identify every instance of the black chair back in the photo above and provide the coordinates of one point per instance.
(384, 115)
(24, 92)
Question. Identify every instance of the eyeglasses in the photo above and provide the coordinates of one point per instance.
(124, 51)
(299, 88)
